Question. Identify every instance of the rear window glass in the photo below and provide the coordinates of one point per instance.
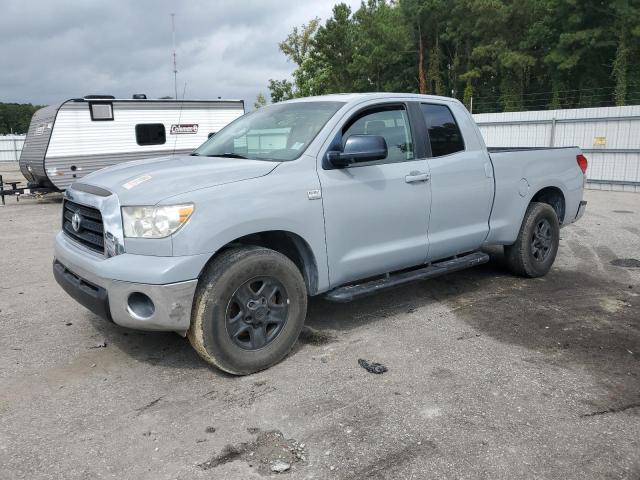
(150, 134)
(444, 134)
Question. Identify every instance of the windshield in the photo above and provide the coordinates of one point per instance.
(279, 132)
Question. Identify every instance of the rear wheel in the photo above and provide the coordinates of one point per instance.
(250, 307)
(535, 249)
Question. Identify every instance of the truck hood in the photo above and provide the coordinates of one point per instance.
(147, 182)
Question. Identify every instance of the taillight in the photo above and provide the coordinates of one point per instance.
(582, 162)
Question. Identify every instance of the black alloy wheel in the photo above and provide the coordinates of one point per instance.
(535, 249)
(257, 312)
(248, 310)
(542, 240)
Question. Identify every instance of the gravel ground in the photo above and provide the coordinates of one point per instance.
(489, 376)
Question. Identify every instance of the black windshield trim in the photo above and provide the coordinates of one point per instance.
(229, 155)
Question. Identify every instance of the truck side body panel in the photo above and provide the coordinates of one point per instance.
(279, 201)
(519, 175)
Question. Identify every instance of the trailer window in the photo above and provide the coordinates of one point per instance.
(444, 134)
(101, 111)
(151, 134)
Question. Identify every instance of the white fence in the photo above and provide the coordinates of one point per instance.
(10, 147)
(609, 137)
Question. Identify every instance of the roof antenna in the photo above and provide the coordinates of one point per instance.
(173, 43)
(175, 140)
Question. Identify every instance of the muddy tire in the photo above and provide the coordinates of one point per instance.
(535, 249)
(249, 309)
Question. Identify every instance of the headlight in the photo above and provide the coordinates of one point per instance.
(155, 222)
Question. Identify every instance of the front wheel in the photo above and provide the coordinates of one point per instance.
(249, 309)
(535, 249)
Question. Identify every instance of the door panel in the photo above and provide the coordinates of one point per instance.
(375, 221)
(376, 215)
(461, 187)
(461, 196)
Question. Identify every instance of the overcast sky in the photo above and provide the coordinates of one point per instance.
(53, 50)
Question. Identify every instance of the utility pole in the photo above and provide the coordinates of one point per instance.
(173, 43)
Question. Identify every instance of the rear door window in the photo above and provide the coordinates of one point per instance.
(444, 135)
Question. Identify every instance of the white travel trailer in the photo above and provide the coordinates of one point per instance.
(76, 137)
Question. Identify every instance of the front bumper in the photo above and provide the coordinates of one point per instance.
(87, 294)
(115, 299)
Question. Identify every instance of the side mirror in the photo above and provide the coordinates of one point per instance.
(211, 134)
(359, 148)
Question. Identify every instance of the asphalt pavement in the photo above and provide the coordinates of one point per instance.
(488, 376)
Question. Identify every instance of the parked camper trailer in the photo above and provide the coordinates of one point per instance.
(76, 137)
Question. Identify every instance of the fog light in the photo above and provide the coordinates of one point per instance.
(140, 306)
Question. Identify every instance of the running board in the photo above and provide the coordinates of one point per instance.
(352, 292)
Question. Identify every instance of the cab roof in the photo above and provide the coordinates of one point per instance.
(358, 97)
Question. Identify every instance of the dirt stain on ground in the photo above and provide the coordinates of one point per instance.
(243, 396)
(569, 316)
(311, 336)
(260, 454)
(393, 459)
(626, 262)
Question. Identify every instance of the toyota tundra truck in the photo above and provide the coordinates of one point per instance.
(340, 195)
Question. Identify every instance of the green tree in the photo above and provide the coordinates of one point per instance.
(260, 102)
(16, 117)
(329, 67)
(382, 50)
(627, 33)
(428, 19)
(280, 90)
(581, 60)
(505, 54)
(297, 48)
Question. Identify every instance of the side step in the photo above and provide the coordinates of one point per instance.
(351, 292)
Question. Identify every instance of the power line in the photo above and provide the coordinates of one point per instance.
(558, 91)
(586, 102)
(573, 97)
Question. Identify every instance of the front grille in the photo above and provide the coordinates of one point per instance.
(91, 230)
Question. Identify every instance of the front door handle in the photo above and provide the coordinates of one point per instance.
(417, 177)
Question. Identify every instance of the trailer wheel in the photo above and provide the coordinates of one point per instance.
(249, 309)
(535, 249)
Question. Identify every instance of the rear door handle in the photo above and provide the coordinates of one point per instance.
(417, 177)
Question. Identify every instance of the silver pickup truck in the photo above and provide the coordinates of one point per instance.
(340, 195)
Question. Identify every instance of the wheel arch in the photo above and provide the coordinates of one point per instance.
(554, 197)
(290, 244)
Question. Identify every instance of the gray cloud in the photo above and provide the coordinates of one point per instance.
(52, 51)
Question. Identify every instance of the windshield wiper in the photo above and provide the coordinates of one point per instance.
(228, 155)
(195, 154)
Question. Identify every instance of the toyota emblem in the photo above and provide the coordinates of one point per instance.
(76, 221)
